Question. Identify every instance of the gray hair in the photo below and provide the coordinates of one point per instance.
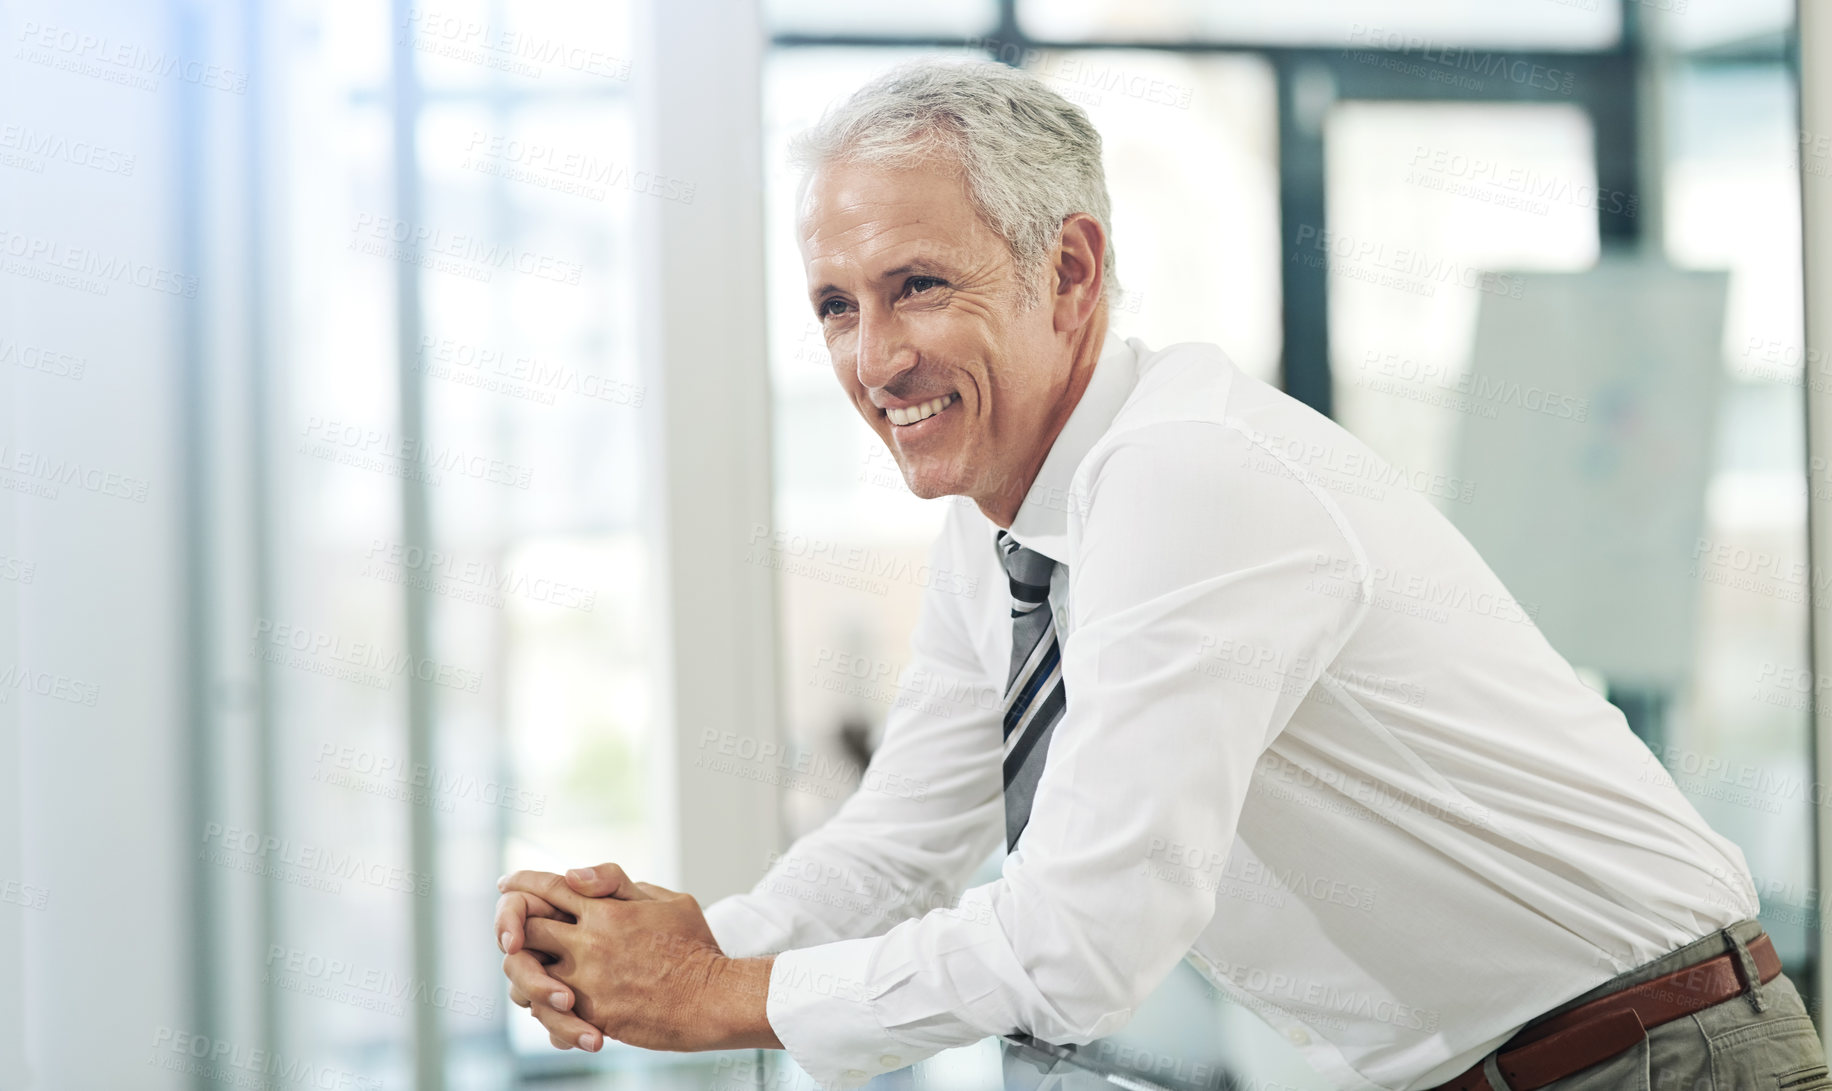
(1031, 157)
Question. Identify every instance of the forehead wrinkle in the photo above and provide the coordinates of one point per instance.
(892, 257)
(853, 225)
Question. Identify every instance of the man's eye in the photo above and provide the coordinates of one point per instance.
(827, 307)
(923, 284)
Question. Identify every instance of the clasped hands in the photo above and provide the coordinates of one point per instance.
(595, 955)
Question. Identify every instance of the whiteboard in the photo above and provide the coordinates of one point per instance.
(1591, 477)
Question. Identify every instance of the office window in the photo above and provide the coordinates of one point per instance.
(1422, 200)
(944, 18)
(1733, 203)
(541, 624)
(1190, 147)
(1433, 24)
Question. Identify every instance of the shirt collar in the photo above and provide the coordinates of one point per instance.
(1042, 522)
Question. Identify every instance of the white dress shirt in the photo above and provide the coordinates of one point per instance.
(1311, 744)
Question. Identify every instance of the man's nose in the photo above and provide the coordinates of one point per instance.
(884, 352)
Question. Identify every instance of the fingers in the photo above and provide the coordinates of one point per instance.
(606, 881)
(528, 978)
(544, 885)
(590, 1041)
(568, 1031)
(512, 910)
(548, 939)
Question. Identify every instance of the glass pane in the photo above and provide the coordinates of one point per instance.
(543, 715)
(529, 364)
(525, 46)
(1723, 24)
(1588, 24)
(835, 482)
(337, 634)
(1422, 200)
(942, 18)
(1733, 203)
(1191, 150)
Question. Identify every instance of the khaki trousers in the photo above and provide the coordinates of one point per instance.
(1760, 1041)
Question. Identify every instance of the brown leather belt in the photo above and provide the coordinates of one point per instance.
(1597, 1031)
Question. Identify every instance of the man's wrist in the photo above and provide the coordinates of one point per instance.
(736, 1004)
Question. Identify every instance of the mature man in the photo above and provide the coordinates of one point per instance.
(1251, 702)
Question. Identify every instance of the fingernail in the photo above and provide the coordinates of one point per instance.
(560, 1001)
(502, 881)
(582, 875)
(585, 1040)
(503, 942)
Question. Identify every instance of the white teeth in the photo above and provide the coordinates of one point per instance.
(921, 412)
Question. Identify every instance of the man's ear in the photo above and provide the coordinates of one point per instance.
(1078, 271)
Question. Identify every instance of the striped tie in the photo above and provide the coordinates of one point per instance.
(1034, 696)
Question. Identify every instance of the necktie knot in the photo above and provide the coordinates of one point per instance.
(1028, 572)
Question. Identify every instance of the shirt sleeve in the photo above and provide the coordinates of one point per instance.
(1191, 548)
(929, 808)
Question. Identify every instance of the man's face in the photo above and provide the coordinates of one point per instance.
(921, 306)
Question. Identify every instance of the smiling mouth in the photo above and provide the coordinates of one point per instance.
(914, 413)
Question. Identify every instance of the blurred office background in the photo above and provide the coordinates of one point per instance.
(421, 461)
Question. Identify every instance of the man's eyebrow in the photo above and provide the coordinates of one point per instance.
(914, 265)
(918, 265)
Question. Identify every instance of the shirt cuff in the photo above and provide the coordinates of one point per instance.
(820, 1008)
(742, 930)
